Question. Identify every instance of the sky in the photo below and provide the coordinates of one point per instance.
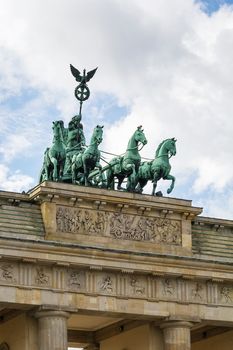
(163, 64)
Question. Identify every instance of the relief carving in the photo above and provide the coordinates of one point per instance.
(225, 292)
(145, 229)
(168, 288)
(167, 231)
(115, 283)
(197, 291)
(118, 225)
(137, 287)
(107, 285)
(80, 221)
(41, 278)
(7, 272)
(74, 279)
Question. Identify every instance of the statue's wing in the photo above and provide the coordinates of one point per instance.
(90, 74)
(76, 73)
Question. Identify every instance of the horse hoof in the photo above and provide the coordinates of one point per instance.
(159, 194)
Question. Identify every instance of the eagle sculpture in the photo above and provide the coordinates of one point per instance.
(82, 79)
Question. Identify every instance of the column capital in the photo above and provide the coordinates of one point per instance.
(176, 324)
(53, 310)
(51, 313)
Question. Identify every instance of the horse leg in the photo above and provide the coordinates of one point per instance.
(73, 172)
(110, 179)
(61, 168)
(120, 180)
(54, 162)
(141, 184)
(131, 183)
(103, 180)
(85, 173)
(156, 177)
(172, 178)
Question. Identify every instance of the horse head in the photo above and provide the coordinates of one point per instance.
(58, 127)
(171, 146)
(97, 136)
(165, 147)
(140, 136)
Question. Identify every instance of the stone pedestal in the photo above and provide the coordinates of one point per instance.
(176, 335)
(52, 329)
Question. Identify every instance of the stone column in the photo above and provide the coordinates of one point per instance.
(176, 335)
(52, 329)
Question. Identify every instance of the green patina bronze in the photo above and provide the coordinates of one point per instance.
(54, 157)
(159, 168)
(70, 160)
(128, 164)
(82, 91)
(75, 144)
(84, 162)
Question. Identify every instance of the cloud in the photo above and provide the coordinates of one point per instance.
(167, 62)
(14, 144)
(14, 182)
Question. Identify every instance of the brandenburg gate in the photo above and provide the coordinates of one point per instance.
(84, 265)
(102, 269)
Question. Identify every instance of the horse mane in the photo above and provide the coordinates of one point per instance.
(159, 147)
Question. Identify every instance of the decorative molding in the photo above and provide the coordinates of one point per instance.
(116, 284)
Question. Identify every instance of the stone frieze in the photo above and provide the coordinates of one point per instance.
(115, 284)
(118, 225)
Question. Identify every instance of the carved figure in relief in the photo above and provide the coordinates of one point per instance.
(107, 285)
(168, 231)
(100, 223)
(7, 272)
(197, 291)
(168, 287)
(41, 277)
(88, 222)
(80, 221)
(145, 229)
(137, 288)
(225, 292)
(121, 226)
(74, 279)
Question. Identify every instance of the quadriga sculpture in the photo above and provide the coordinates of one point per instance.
(75, 143)
(159, 168)
(83, 163)
(54, 157)
(127, 165)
